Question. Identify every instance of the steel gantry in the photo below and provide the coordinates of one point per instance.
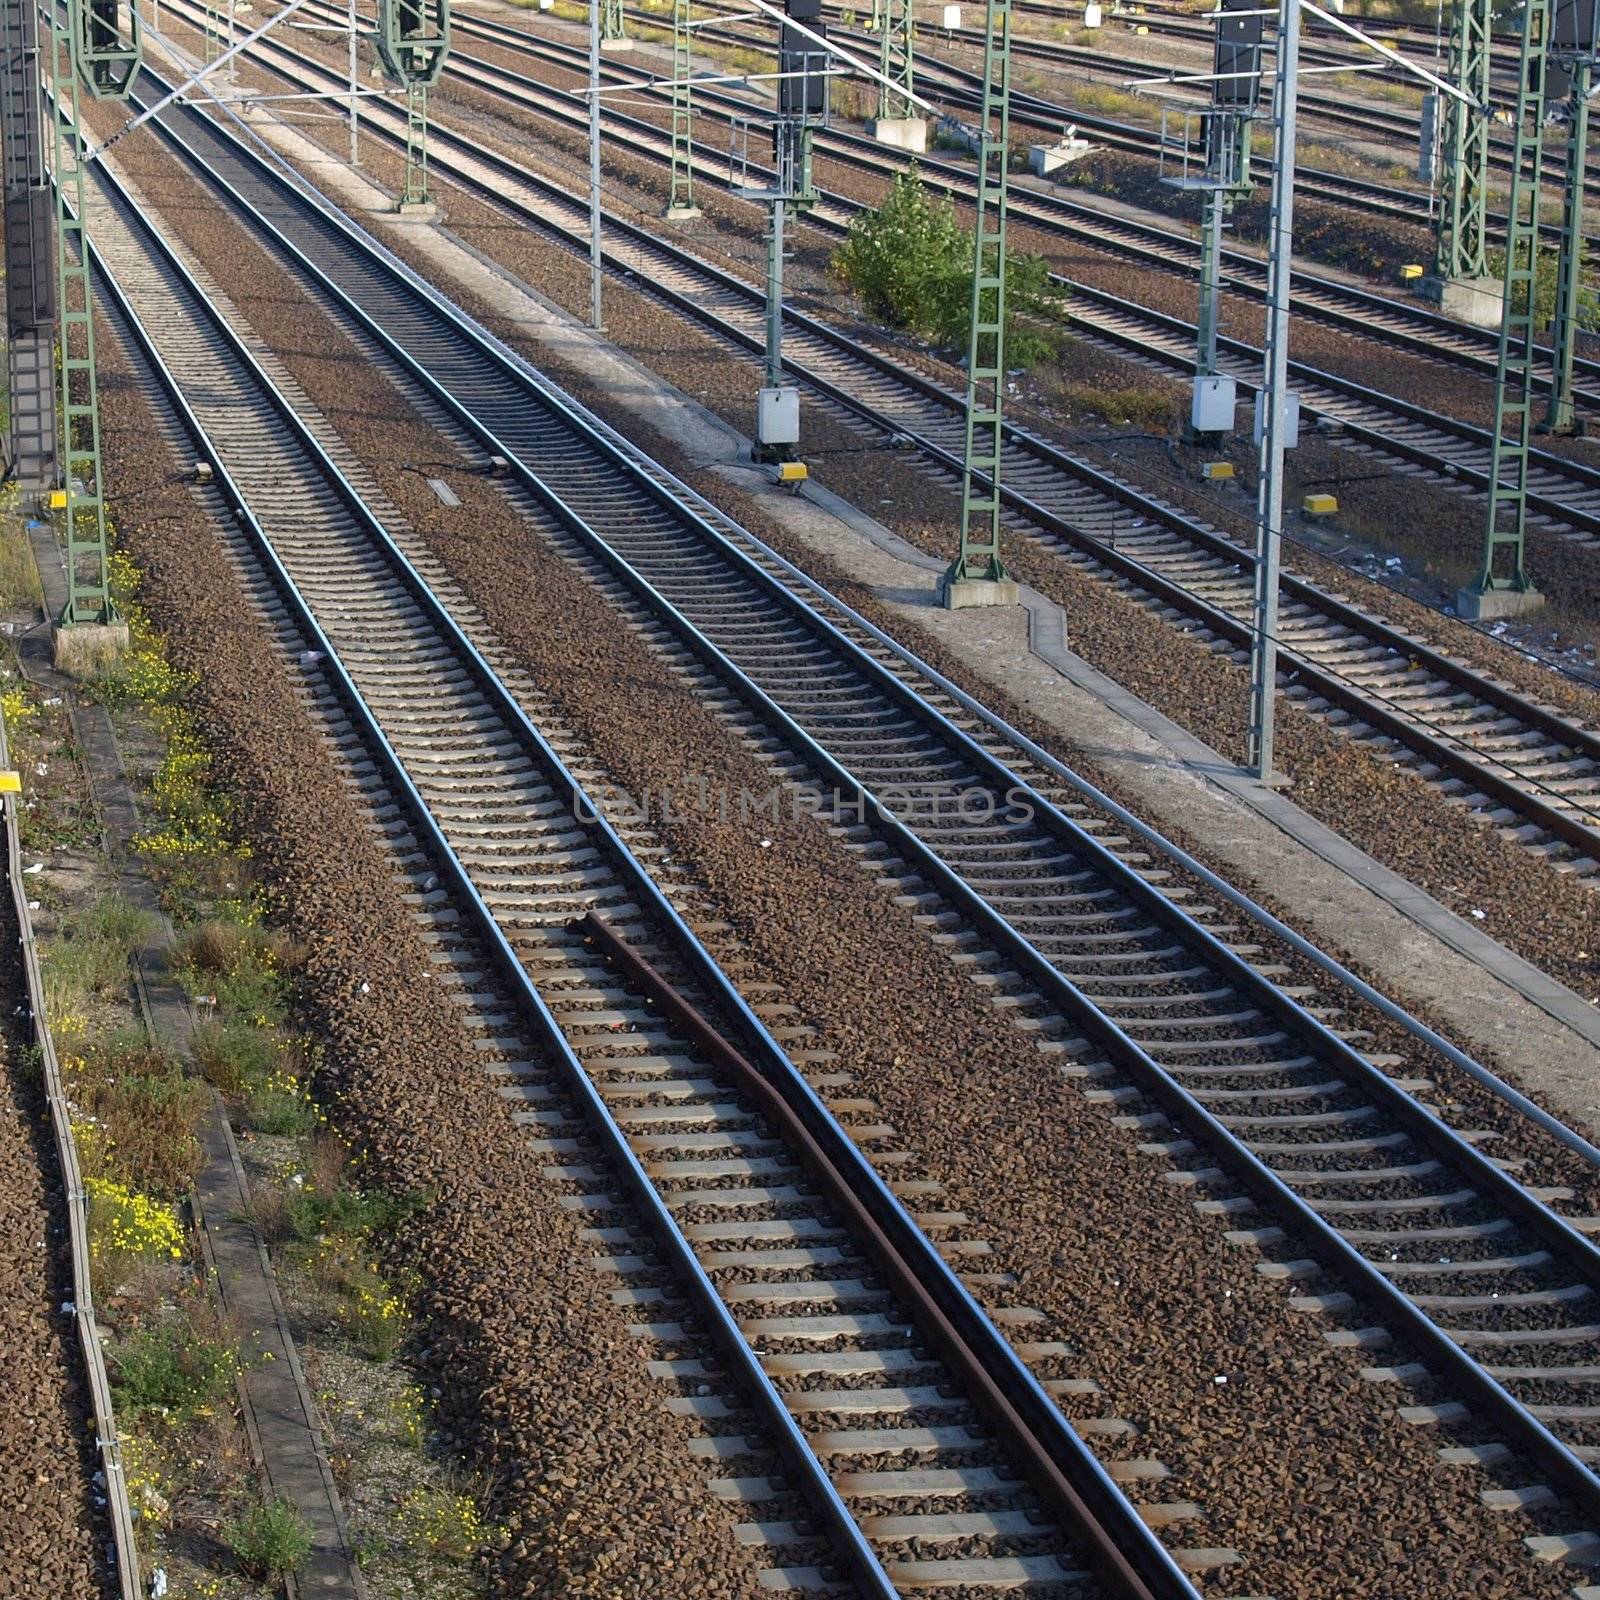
(30, 254)
(1503, 586)
(87, 49)
(1573, 40)
(612, 30)
(1461, 250)
(413, 40)
(978, 576)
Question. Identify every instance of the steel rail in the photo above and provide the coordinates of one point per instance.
(1437, 337)
(1441, 747)
(769, 1403)
(1125, 818)
(905, 1275)
(1327, 1243)
(1114, 1525)
(85, 1321)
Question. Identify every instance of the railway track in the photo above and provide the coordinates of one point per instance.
(1424, 437)
(1565, 491)
(868, 1418)
(958, 85)
(1526, 770)
(1336, 1166)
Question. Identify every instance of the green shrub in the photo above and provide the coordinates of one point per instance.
(911, 263)
(145, 1111)
(350, 1213)
(173, 1367)
(284, 1112)
(270, 1540)
(1547, 269)
(234, 1055)
(447, 1523)
(91, 954)
(372, 1314)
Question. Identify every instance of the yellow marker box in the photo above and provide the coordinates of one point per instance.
(1410, 274)
(10, 783)
(1217, 470)
(793, 472)
(1320, 505)
(58, 499)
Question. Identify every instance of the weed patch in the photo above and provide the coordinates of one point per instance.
(911, 263)
(270, 1540)
(174, 1367)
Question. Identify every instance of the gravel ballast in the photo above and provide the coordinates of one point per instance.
(1160, 1306)
(52, 1537)
(538, 1376)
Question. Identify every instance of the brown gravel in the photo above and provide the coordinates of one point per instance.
(51, 1534)
(1542, 914)
(1158, 1305)
(539, 1375)
(1437, 531)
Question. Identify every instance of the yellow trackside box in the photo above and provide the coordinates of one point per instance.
(1217, 470)
(1320, 505)
(793, 473)
(1410, 274)
(10, 783)
(58, 499)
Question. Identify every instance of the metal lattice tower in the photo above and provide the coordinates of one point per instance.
(680, 194)
(84, 512)
(1506, 522)
(413, 40)
(896, 59)
(1462, 246)
(416, 187)
(30, 253)
(1560, 415)
(978, 555)
(612, 30)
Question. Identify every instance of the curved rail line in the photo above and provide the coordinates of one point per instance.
(1495, 751)
(715, 1153)
(1148, 1001)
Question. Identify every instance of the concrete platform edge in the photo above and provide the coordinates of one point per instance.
(1047, 638)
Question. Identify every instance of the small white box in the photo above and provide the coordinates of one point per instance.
(952, 18)
(778, 416)
(1292, 437)
(1212, 404)
(1091, 15)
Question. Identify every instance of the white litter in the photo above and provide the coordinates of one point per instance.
(1477, 915)
(28, 872)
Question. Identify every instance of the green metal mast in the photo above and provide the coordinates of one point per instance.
(416, 193)
(1560, 415)
(84, 48)
(978, 556)
(1462, 246)
(612, 31)
(413, 40)
(896, 59)
(1504, 572)
(680, 194)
